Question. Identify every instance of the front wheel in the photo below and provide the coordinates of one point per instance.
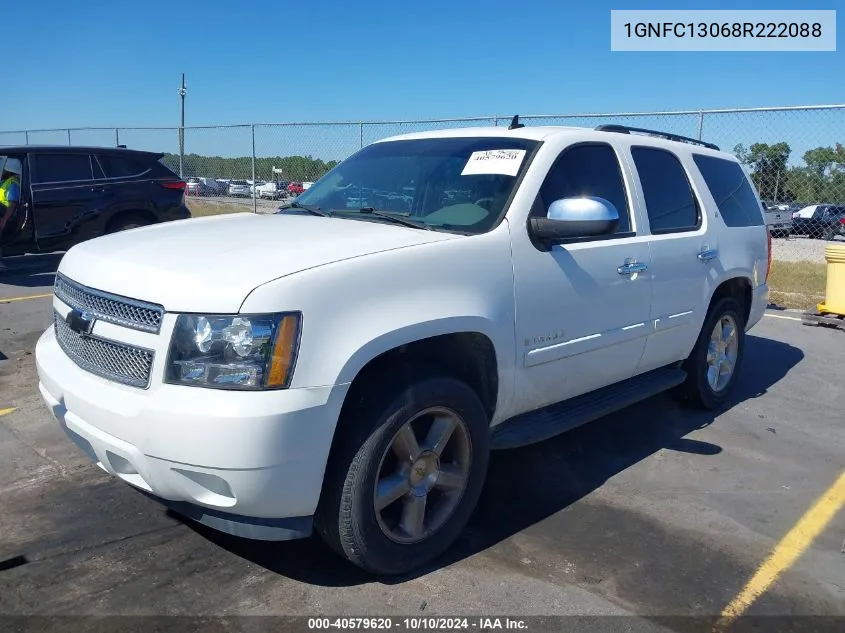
(405, 476)
(714, 363)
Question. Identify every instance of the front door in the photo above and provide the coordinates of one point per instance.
(16, 236)
(581, 308)
(63, 194)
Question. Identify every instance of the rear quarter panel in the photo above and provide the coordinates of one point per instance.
(743, 250)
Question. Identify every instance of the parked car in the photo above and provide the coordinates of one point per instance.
(277, 375)
(192, 186)
(239, 188)
(253, 186)
(778, 220)
(295, 188)
(274, 190)
(212, 187)
(73, 194)
(820, 221)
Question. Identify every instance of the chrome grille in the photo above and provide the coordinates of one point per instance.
(130, 313)
(119, 362)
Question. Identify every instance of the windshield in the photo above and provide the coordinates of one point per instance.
(459, 184)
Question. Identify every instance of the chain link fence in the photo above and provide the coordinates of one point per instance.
(795, 156)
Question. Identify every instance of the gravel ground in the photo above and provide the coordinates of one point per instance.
(239, 204)
(798, 249)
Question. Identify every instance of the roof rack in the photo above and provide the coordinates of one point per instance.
(624, 129)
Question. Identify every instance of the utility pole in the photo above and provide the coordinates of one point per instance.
(182, 93)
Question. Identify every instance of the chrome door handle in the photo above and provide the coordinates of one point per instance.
(707, 255)
(629, 268)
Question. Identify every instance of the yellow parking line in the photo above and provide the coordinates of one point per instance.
(780, 316)
(6, 411)
(785, 553)
(9, 299)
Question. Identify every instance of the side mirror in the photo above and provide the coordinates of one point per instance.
(570, 218)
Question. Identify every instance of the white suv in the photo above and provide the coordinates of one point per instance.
(348, 368)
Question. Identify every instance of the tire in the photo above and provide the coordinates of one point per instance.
(370, 436)
(698, 390)
(126, 222)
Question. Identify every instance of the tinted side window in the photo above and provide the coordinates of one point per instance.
(61, 167)
(669, 199)
(730, 189)
(588, 170)
(121, 166)
(98, 170)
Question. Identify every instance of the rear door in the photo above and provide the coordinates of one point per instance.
(65, 197)
(828, 224)
(683, 253)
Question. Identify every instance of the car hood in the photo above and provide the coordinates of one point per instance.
(211, 264)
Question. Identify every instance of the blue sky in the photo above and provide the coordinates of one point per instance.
(99, 63)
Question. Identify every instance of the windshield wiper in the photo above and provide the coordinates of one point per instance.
(306, 207)
(397, 217)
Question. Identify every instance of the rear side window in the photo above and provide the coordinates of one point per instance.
(61, 168)
(588, 170)
(731, 190)
(669, 200)
(121, 166)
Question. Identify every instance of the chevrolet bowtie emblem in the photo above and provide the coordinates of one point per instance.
(80, 321)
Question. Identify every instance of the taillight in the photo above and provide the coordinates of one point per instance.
(177, 184)
(841, 220)
(769, 263)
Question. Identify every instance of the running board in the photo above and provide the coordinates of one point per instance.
(542, 424)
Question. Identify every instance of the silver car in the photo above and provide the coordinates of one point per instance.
(239, 188)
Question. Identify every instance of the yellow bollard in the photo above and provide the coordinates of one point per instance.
(834, 299)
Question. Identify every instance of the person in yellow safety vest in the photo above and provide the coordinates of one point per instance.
(10, 197)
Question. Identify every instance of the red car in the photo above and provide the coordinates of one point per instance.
(295, 188)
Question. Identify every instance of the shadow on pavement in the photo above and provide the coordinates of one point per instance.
(30, 271)
(527, 485)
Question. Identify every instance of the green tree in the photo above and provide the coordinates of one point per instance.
(768, 168)
(292, 167)
(825, 160)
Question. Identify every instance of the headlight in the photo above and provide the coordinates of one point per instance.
(250, 352)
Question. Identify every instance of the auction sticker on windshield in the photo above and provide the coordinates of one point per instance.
(494, 161)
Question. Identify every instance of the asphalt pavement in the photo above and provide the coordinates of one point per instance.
(652, 512)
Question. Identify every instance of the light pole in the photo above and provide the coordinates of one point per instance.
(182, 93)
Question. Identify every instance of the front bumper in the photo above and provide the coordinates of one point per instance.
(247, 463)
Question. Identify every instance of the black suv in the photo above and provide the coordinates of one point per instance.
(72, 194)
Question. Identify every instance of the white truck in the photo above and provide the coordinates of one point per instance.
(347, 370)
(272, 190)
